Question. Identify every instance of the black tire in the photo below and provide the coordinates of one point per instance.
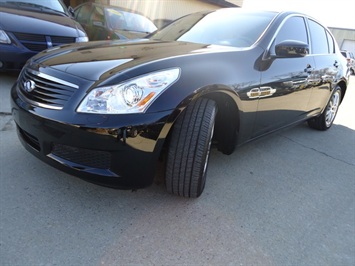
(189, 149)
(326, 119)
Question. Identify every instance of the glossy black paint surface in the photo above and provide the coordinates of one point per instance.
(258, 89)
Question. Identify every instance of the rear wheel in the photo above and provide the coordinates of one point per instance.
(189, 149)
(326, 119)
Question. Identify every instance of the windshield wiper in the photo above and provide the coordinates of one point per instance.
(50, 10)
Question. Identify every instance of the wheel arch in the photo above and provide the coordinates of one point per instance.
(227, 123)
(342, 85)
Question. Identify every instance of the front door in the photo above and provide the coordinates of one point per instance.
(285, 87)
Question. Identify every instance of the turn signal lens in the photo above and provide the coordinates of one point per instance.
(4, 38)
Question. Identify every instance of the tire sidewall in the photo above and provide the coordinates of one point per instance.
(206, 156)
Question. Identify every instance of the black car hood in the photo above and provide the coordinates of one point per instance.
(23, 21)
(98, 60)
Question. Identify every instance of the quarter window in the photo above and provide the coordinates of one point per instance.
(319, 39)
(330, 43)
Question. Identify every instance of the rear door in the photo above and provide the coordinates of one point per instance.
(323, 51)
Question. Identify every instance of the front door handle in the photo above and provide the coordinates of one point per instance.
(261, 92)
(336, 64)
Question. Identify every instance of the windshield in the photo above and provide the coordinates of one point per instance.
(229, 27)
(51, 6)
(121, 20)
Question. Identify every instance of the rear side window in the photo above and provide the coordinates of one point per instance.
(319, 41)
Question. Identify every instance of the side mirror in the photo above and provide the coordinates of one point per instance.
(291, 48)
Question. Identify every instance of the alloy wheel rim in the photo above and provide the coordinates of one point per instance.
(332, 109)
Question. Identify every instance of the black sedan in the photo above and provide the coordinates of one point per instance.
(105, 22)
(107, 111)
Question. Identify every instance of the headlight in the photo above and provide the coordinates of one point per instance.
(81, 39)
(4, 38)
(132, 96)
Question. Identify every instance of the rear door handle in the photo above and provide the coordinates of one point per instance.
(336, 64)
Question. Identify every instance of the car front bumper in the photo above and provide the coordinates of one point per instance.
(107, 150)
(13, 57)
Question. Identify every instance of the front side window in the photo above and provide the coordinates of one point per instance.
(293, 29)
(97, 15)
(82, 15)
(319, 39)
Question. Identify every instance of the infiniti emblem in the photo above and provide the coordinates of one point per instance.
(30, 85)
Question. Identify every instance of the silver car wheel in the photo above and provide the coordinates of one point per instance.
(332, 108)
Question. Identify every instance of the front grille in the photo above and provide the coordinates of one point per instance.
(37, 42)
(86, 157)
(36, 47)
(45, 91)
(58, 40)
(33, 42)
(30, 139)
(30, 37)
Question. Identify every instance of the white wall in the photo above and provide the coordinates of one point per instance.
(167, 9)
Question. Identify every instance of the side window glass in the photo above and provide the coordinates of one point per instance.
(97, 15)
(82, 14)
(294, 28)
(330, 43)
(319, 39)
(78, 14)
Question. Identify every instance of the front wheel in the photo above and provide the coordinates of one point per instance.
(189, 149)
(326, 119)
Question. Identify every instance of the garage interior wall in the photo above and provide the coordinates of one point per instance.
(345, 38)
